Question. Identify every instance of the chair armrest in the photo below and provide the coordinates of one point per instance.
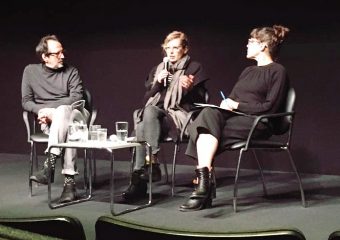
(93, 116)
(26, 121)
(260, 118)
(190, 116)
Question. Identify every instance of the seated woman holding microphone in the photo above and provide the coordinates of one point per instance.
(260, 89)
(173, 86)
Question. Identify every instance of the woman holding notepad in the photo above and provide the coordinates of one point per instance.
(260, 89)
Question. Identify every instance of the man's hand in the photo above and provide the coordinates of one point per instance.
(45, 115)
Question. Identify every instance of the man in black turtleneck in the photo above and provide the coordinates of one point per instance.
(48, 90)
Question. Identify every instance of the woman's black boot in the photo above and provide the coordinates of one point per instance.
(201, 197)
(137, 188)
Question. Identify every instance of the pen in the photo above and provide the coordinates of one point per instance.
(222, 95)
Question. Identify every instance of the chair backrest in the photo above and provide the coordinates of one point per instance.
(206, 96)
(9, 233)
(334, 235)
(88, 99)
(283, 124)
(90, 106)
(64, 227)
(109, 228)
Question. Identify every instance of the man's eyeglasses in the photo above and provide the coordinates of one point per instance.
(56, 54)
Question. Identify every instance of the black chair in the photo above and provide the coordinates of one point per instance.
(61, 227)
(334, 235)
(114, 228)
(9, 233)
(181, 139)
(89, 105)
(35, 136)
(284, 126)
(279, 142)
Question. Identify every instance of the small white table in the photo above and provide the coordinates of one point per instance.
(110, 147)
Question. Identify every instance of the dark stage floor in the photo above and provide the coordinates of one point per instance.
(281, 209)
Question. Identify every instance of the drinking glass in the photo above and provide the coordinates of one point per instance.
(77, 132)
(122, 130)
(84, 132)
(102, 134)
(93, 132)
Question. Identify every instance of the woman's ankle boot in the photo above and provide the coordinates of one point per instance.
(201, 197)
(137, 188)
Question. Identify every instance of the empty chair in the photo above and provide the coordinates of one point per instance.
(113, 228)
(9, 233)
(334, 235)
(61, 227)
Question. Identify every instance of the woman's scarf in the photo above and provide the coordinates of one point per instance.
(173, 95)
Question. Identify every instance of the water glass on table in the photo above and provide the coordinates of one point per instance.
(77, 132)
(102, 134)
(93, 132)
(122, 130)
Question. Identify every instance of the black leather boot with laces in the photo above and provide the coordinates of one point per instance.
(42, 175)
(69, 191)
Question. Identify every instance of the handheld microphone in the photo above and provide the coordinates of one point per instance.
(166, 64)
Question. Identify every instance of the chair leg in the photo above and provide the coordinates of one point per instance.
(35, 157)
(173, 176)
(261, 173)
(133, 160)
(32, 157)
(165, 166)
(236, 179)
(303, 201)
(213, 182)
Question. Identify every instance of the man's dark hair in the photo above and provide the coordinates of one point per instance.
(42, 47)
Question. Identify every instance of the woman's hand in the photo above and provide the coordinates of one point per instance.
(229, 104)
(162, 75)
(186, 81)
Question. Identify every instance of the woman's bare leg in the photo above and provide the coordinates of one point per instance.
(206, 148)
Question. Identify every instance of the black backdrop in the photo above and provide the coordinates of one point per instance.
(115, 43)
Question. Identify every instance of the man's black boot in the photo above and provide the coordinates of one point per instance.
(69, 191)
(137, 188)
(42, 175)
